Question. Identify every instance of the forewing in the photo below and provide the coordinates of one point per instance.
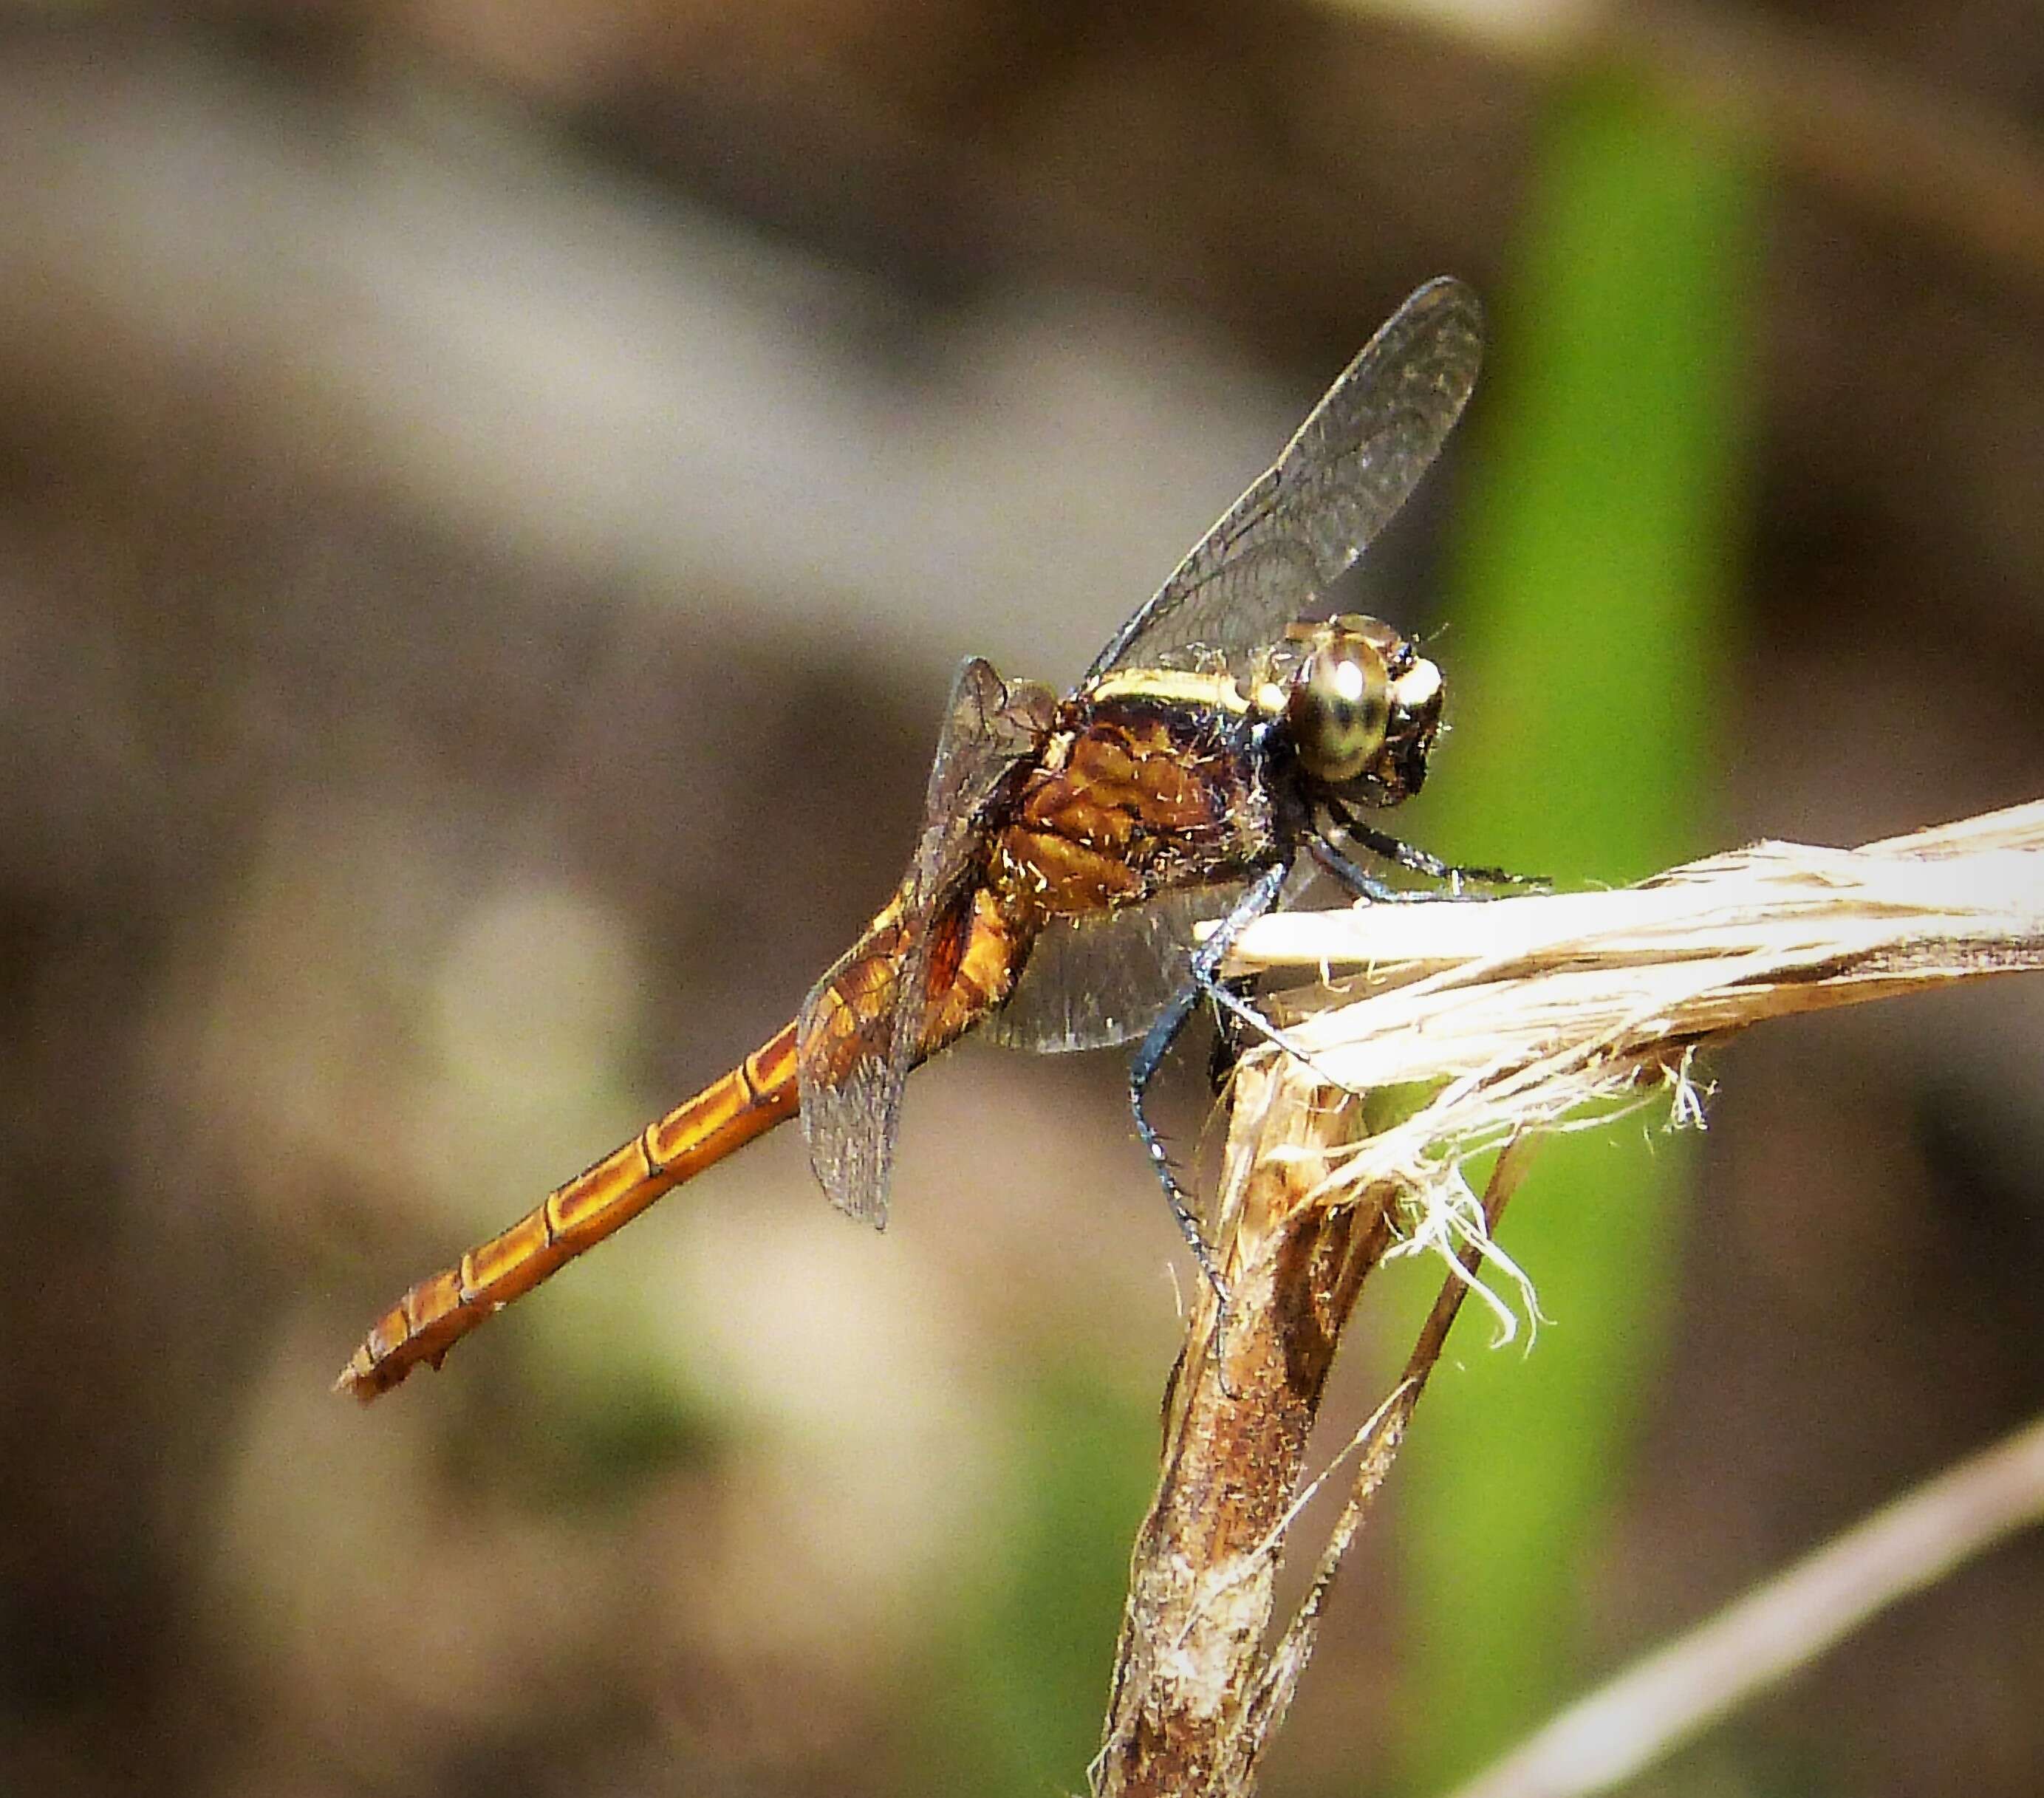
(989, 725)
(1339, 483)
(861, 1026)
(1095, 981)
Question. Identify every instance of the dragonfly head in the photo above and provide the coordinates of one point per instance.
(1361, 706)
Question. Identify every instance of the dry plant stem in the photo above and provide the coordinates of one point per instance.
(1508, 1016)
(1950, 168)
(1380, 1442)
(1524, 1010)
(1195, 1695)
(1235, 1430)
(1614, 1733)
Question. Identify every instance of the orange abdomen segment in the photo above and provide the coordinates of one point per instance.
(438, 1312)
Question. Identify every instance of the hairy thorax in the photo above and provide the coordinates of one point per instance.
(1132, 796)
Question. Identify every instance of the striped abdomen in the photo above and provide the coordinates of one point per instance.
(436, 1313)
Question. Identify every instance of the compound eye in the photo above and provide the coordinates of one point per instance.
(1339, 709)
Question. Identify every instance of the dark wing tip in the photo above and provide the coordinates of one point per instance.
(1444, 298)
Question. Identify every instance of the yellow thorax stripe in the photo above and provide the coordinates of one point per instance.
(1172, 687)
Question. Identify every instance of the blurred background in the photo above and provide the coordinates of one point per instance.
(490, 501)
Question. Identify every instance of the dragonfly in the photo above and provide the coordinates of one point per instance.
(1071, 846)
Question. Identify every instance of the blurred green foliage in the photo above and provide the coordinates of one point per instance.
(1593, 629)
(1017, 1696)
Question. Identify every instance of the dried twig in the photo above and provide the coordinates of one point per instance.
(1235, 1431)
(1502, 1020)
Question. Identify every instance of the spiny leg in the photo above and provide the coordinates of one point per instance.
(1233, 1038)
(1350, 873)
(1256, 899)
(1403, 854)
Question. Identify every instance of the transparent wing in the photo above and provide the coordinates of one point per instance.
(1095, 981)
(845, 1059)
(1339, 483)
(989, 725)
(860, 1028)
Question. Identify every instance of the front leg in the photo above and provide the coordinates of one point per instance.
(1350, 873)
(1417, 861)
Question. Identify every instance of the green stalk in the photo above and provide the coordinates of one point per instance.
(1592, 636)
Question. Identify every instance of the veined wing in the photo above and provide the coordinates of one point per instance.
(860, 1028)
(1095, 981)
(1339, 483)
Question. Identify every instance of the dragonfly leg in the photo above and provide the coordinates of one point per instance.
(1352, 875)
(1403, 854)
(1364, 884)
(1232, 1039)
(1258, 898)
(1231, 1007)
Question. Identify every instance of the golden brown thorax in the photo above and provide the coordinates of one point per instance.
(1128, 799)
